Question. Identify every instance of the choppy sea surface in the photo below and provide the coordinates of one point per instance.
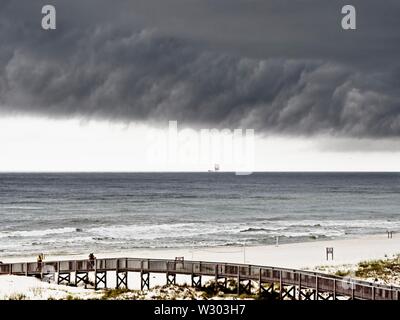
(81, 212)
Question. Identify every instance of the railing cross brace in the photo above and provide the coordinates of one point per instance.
(287, 292)
(171, 279)
(122, 279)
(81, 277)
(144, 280)
(100, 278)
(196, 281)
(64, 278)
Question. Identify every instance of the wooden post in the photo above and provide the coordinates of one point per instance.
(259, 282)
(280, 285)
(216, 287)
(299, 287)
(316, 288)
(373, 293)
(95, 275)
(192, 275)
(141, 275)
(238, 281)
(117, 275)
(75, 272)
(391, 292)
(334, 289)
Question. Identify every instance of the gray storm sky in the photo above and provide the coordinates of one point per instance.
(284, 68)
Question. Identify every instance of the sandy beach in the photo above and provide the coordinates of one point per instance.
(307, 255)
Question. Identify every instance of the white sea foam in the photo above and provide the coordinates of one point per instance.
(35, 233)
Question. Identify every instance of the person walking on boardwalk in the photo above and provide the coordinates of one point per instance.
(39, 260)
(92, 259)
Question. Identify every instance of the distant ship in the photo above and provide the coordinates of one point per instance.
(216, 168)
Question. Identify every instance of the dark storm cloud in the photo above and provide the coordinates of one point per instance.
(277, 66)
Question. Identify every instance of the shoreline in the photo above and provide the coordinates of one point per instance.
(301, 255)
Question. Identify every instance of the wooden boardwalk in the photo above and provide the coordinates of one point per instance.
(283, 283)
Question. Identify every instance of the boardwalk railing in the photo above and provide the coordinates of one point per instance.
(290, 283)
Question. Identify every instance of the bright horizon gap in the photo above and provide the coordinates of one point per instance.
(33, 144)
(233, 172)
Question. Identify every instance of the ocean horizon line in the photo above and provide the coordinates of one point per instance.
(191, 171)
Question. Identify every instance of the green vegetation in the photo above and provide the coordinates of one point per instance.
(114, 293)
(17, 296)
(268, 296)
(342, 273)
(379, 269)
(387, 269)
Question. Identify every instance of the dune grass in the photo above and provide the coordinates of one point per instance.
(380, 269)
